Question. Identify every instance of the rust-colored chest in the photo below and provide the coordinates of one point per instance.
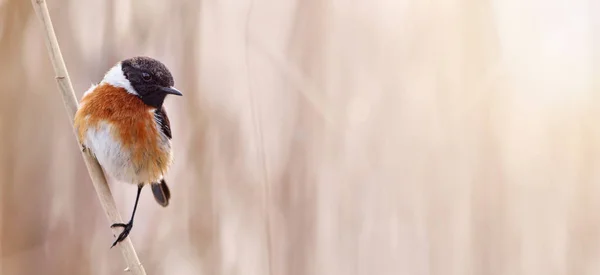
(132, 124)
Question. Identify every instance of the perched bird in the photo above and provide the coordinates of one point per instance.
(122, 122)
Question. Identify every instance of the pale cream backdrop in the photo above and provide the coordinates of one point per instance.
(318, 137)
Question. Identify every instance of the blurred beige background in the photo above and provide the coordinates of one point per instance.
(324, 137)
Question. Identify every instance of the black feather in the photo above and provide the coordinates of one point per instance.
(163, 120)
(161, 192)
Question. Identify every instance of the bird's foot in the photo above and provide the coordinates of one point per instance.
(126, 229)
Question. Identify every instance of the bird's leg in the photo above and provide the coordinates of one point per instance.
(127, 226)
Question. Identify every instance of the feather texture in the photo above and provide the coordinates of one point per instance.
(124, 134)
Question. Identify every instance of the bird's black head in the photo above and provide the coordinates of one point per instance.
(150, 79)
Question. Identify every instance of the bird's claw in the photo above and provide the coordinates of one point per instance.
(126, 229)
(118, 225)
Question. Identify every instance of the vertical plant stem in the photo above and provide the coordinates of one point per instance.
(70, 101)
(262, 155)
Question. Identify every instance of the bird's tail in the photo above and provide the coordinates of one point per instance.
(161, 192)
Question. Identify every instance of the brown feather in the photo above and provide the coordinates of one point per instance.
(133, 125)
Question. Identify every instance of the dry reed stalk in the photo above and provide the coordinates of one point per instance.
(94, 169)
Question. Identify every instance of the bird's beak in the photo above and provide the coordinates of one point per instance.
(171, 90)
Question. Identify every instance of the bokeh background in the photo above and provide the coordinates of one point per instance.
(314, 137)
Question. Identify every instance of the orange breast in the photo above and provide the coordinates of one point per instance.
(132, 124)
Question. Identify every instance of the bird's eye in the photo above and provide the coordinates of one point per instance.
(146, 77)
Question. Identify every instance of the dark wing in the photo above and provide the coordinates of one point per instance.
(163, 121)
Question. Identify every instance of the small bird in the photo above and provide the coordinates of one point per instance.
(123, 123)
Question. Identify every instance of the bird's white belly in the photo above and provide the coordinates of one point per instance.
(111, 155)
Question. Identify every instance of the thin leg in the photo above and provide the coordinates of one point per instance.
(127, 226)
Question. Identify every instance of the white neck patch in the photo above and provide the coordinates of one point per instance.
(116, 77)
